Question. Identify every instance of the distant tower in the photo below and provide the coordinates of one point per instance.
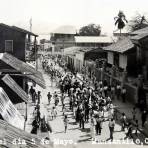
(30, 22)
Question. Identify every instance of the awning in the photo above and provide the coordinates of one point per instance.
(9, 112)
(10, 133)
(24, 68)
(15, 87)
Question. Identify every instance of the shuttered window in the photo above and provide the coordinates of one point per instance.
(8, 45)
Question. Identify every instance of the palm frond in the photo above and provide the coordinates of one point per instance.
(116, 22)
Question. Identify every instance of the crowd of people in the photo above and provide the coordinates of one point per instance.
(89, 104)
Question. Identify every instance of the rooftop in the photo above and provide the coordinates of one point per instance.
(140, 31)
(139, 36)
(18, 29)
(95, 39)
(75, 49)
(65, 30)
(120, 46)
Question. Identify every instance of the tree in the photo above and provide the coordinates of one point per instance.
(90, 30)
(120, 20)
(138, 22)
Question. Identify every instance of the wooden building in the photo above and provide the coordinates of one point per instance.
(14, 71)
(13, 44)
(62, 37)
(94, 41)
(122, 55)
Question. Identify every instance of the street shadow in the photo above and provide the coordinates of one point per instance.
(72, 123)
(84, 140)
(71, 129)
(86, 130)
(69, 117)
(107, 139)
(117, 131)
(59, 132)
(87, 135)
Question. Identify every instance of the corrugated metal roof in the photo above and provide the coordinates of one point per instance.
(120, 46)
(23, 68)
(10, 133)
(65, 30)
(9, 112)
(15, 87)
(94, 39)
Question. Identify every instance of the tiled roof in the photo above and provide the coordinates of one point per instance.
(140, 31)
(120, 46)
(94, 39)
(139, 36)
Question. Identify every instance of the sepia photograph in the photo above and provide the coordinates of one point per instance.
(73, 73)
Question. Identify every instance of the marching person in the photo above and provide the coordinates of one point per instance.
(39, 97)
(118, 91)
(49, 97)
(123, 121)
(35, 126)
(53, 113)
(134, 112)
(143, 117)
(92, 127)
(99, 121)
(129, 133)
(32, 91)
(136, 126)
(82, 119)
(111, 128)
(123, 94)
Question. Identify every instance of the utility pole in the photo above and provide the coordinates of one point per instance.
(30, 24)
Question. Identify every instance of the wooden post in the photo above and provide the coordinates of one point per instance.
(35, 47)
(26, 116)
(124, 74)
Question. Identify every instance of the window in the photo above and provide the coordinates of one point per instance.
(116, 59)
(8, 45)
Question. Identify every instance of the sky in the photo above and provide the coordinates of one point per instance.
(47, 15)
